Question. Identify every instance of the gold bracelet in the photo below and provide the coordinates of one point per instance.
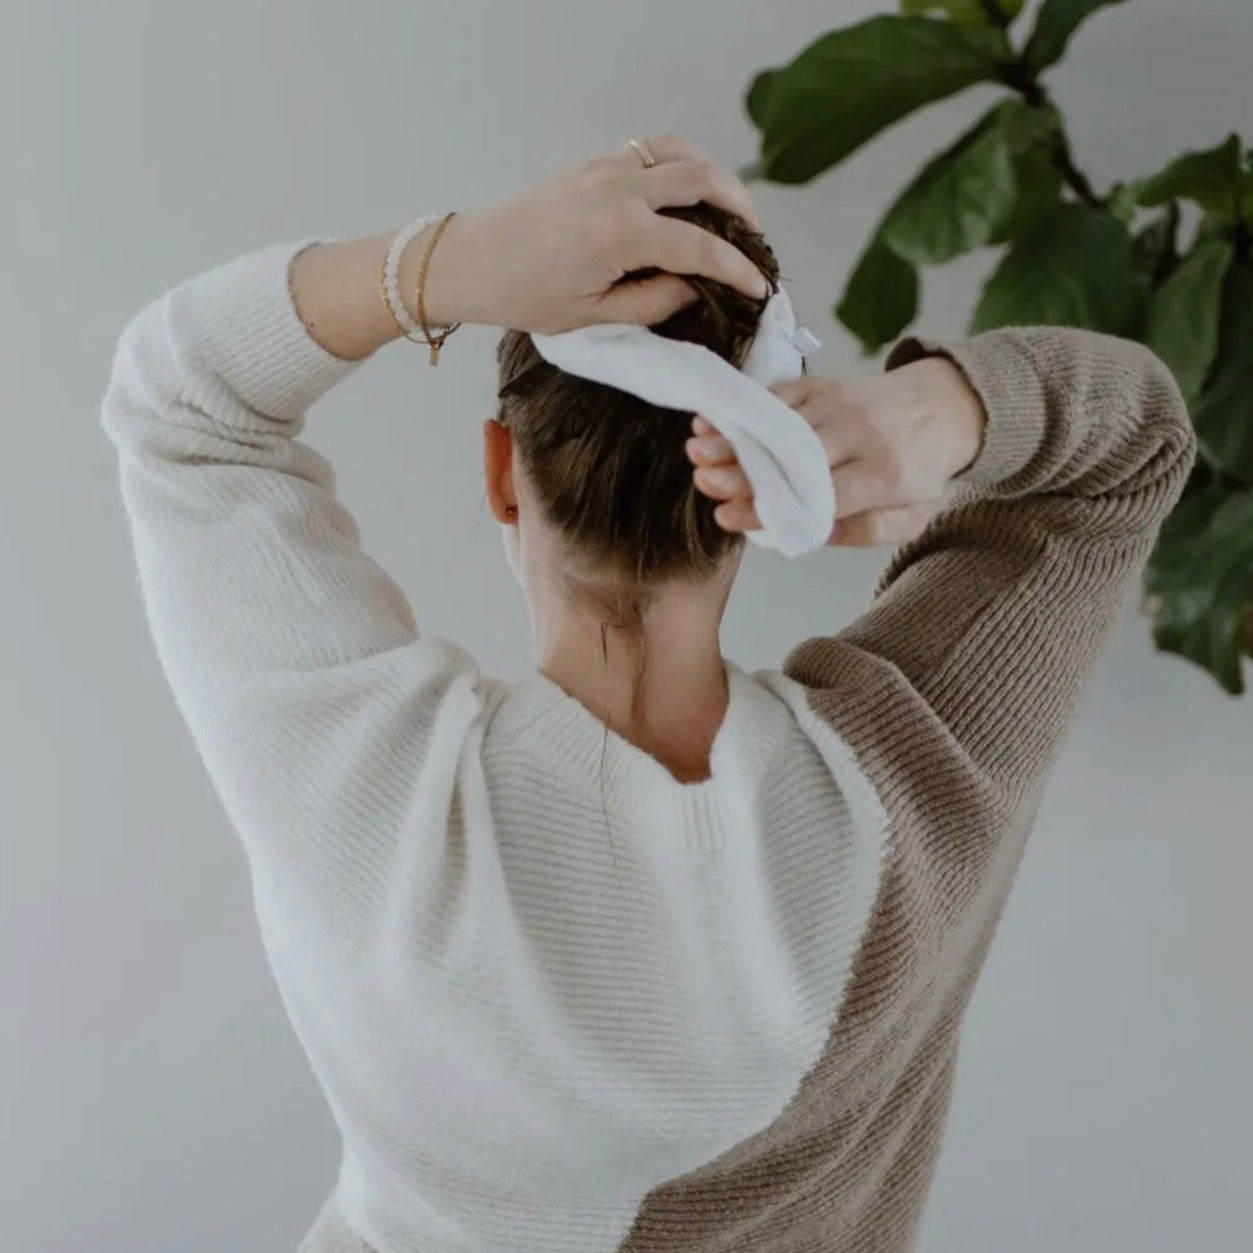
(435, 342)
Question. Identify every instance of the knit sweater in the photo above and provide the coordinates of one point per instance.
(555, 999)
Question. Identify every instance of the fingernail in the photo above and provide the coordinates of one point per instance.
(703, 447)
(720, 480)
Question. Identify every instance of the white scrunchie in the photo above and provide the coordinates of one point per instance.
(778, 450)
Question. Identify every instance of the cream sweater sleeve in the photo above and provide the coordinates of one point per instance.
(295, 660)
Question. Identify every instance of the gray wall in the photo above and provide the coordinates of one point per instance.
(154, 1097)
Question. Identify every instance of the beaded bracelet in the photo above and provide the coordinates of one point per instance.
(390, 284)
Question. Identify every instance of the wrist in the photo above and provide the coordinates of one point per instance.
(956, 406)
(448, 294)
(335, 289)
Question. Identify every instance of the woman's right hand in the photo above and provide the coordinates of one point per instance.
(552, 257)
(893, 441)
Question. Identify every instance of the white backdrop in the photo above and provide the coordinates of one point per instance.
(154, 1097)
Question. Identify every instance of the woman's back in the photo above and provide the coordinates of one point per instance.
(576, 998)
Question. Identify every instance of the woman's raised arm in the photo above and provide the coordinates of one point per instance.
(294, 657)
(547, 259)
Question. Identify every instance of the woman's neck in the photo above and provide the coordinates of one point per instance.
(665, 691)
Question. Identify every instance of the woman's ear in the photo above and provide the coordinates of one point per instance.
(498, 471)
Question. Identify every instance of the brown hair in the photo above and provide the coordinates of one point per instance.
(610, 469)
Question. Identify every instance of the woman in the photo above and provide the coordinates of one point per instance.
(642, 952)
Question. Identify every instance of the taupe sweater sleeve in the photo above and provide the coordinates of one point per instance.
(986, 627)
(954, 692)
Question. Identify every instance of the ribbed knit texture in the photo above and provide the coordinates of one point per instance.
(555, 999)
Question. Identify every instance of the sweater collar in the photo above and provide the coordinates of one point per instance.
(571, 741)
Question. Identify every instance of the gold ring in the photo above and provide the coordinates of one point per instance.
(642, 148)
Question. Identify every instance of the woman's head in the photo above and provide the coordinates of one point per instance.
(607, 471)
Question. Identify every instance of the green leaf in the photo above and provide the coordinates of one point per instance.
(1056, 23)
(881, 297)
(970, 12)
(1155, 249)
(960, 197)
(1199, 581)
(850, 84)
(1216, 178)
(1224, 414)
(757, 98)
(1039, 192)
(1213, 227)
(1074, 268)
(955, 201)
(1183, 316)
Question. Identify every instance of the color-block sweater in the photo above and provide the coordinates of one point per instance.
(560, 1001)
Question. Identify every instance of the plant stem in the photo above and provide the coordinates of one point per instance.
(1243, 239)
(995, 16)
(1074, 176)
(1023, 80)
(1242, 234)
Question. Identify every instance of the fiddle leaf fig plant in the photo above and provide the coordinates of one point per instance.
(1117, 260)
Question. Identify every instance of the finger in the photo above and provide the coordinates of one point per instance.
(737, 515)
(722, 482)
(796, 392)
(709, 450)
(818, 401)
(646, 302)
(682, 248)
(670, 147)
(701, 425)
(664, 149)
(688, 182)
(883, 526)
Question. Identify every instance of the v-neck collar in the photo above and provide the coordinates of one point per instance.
(629, 782)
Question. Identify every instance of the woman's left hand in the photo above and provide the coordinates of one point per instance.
(894, 442)
(551, 258)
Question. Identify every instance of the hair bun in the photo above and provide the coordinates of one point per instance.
(722, 318)
(610, 469)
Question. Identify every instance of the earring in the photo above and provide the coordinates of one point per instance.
(511, 511)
